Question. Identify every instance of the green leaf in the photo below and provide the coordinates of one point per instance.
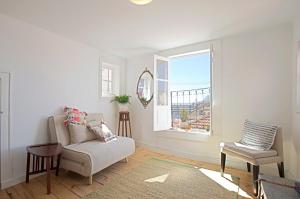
(122, 99)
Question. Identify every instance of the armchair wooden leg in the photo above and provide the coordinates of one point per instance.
(255, 178)
(281, 169)
(248, 167)
(91, 179)
(223, 161)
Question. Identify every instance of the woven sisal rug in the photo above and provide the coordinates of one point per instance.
(164, 179)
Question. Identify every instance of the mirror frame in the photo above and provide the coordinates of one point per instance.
(144, 103)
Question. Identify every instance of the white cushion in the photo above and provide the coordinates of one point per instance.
(99, 154)
(247, 151)
(80, 133)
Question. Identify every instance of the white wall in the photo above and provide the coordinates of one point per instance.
(48, 72)
(256, 82)
(255, 78)
(295, 137)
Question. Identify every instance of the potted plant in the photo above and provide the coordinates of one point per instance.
(123, 102)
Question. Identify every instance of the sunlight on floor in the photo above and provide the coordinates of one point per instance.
(160, 179)
(225, 181)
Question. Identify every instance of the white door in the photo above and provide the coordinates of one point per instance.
(162, 101)
(5, 161)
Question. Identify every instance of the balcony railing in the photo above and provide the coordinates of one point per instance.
(191, 109)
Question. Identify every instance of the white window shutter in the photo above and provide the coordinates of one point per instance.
(162, 101)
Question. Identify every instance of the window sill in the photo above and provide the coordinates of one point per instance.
(183, 135)
(108, 97)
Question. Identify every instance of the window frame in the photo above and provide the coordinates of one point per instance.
(115, 79)
(205, 50)
(215, 89)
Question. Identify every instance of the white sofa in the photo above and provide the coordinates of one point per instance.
(89, 157)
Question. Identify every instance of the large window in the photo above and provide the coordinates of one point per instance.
(190, 92)
(183, 92)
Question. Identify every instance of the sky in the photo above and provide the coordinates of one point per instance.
(190, 72)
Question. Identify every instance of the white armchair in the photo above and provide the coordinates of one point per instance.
(255, 157)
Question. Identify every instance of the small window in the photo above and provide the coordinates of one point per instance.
(106, 81)
(109, 80)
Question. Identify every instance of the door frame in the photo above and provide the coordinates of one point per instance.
(6, 169)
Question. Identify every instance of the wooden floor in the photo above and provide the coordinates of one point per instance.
(69, 185)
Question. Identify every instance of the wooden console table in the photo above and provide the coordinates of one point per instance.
(41, 154)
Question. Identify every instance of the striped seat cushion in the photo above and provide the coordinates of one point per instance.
(258, 136)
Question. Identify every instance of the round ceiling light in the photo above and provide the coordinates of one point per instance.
(140, 2)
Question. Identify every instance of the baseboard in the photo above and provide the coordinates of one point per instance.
(165, 150)
(16, 180)
(11, 182)
(231, 162)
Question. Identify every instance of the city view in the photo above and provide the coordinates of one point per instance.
(190, 92)
(190, 109)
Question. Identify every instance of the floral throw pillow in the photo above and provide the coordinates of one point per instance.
(101, 131)
(74, 116)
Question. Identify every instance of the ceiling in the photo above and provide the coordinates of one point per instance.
(124, 29)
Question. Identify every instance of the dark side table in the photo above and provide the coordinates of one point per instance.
(39, 155)
(124, 121)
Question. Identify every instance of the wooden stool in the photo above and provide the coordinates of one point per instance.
(123, 120)
(41, 155)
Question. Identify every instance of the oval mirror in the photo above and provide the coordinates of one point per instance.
(144, 89)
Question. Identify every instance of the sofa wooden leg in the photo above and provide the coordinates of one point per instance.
(223, 161)
(281, 169)
(255, 178)
(91, 180)
(248, 167)
(125, 160)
